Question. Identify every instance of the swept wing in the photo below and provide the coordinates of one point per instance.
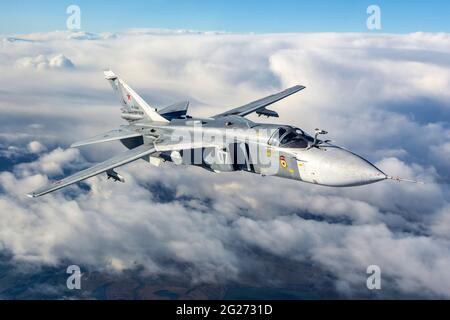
(259, 105)
(117, 161)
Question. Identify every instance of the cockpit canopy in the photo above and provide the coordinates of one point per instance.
(290, 137)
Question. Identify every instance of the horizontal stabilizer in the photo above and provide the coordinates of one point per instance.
(175, 111)
(116, 134)
(117, 161)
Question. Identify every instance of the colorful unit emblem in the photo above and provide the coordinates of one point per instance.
(283, 162)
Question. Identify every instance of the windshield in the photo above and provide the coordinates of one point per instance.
(294, 140)
(289, 137)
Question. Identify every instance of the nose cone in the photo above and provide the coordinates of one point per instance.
(364, 172)
(347, 169)
(358, 171)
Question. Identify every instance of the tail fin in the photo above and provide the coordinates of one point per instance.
(134, 107)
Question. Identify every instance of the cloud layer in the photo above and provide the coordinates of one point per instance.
(385, 97)
(42, 62)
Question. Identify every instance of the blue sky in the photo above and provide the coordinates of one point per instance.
(24, 16)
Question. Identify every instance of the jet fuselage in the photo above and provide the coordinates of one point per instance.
(238, 144)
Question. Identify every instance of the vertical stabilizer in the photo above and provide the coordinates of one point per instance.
(134, 107)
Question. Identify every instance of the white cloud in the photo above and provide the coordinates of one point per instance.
(41, 62)
(51, 163)
(364, 89)
(82, 35)
(36, 147)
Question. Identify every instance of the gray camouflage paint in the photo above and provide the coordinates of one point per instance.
(223, 143)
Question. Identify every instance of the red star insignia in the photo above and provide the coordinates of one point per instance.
(129, 97)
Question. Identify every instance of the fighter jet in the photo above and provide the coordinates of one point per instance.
(225, 142)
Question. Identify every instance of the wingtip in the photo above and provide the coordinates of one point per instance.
(31, 195)
(298, 87)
